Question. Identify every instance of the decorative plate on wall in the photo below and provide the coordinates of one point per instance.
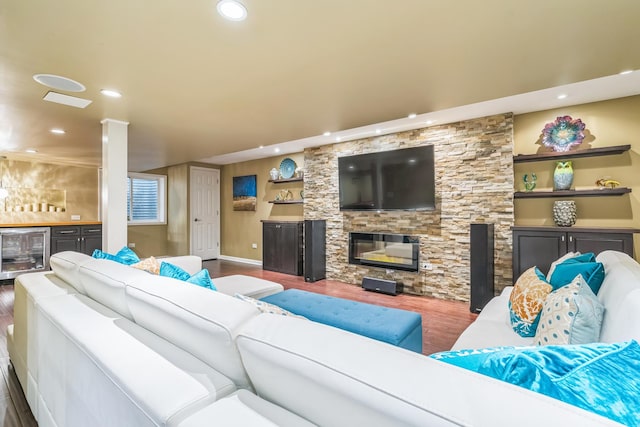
(287, 168)
(563, 133)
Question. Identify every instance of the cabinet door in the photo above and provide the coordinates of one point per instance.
(536, 248)
(91, 238)
(269, 246)
(290, 249)
(65, 238)
(598, 242)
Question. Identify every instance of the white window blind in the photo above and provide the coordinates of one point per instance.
(146, 199)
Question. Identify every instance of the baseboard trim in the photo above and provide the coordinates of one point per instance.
(242, 260)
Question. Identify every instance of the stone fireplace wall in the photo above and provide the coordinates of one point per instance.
(474, 183)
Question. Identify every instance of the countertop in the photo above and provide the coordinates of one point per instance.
(49, 224)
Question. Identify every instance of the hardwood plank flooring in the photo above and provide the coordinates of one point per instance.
(442, 323)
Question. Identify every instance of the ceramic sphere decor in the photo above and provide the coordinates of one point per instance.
(563, 176)
(564, 213)
(563, 133)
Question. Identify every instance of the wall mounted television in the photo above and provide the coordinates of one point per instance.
(401, 179)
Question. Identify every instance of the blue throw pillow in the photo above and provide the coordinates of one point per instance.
(592, 273)
(201, 278)
(601, 378)
(124, 256)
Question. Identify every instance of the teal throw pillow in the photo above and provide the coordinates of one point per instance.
(570, 315)
(201, 278)
(124, 256)
(601, 378)
(592, 272)
(588, 257)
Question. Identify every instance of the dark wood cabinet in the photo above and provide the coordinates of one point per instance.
(79, 238)
(282, 246)
(540, 246)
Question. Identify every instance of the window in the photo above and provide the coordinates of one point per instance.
(146, 199)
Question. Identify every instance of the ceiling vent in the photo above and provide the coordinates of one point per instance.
(71, 101)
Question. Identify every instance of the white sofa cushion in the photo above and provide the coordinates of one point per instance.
(113, 372)
(244, 409)
(620, 295)
(363, 382)
(105, 281)
(66, 265)
(201, 321)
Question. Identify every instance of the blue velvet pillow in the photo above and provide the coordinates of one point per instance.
(601, 378)
(124, 256)
(201, 278)
(469, 359)
(592, 273)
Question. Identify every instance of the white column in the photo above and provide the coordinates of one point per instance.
(114, 184)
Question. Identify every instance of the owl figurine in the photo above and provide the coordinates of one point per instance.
(563, 176)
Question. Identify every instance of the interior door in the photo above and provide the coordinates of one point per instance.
(205, 212)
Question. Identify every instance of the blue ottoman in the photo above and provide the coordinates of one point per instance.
(398, 327)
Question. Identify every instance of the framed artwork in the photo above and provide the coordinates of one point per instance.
(244, 193)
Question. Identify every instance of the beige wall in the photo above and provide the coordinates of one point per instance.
(239, 229)
(74, 189)
(608, 123)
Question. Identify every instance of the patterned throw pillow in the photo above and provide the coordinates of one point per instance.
(266, 307)
(570, 315)
(150, 265)
(525, 301)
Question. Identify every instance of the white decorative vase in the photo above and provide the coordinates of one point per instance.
(274, 174)
(564, 213)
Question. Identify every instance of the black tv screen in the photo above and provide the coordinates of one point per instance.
(389, 180)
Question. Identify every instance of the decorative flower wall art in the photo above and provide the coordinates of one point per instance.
(563, 133)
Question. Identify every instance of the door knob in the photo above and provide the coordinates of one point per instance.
(196, 220)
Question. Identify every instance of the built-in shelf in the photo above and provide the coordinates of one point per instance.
(280, 181)
(287, 202)
(598, 192)
(590, 152)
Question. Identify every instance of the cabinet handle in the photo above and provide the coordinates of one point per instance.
(571, 238)
(92, 231)
(562, 238)
(78, 239)
(67, 232)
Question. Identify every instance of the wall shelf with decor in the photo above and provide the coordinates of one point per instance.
(282, 180)
(599, 192)
(287, 202)
(590, 152)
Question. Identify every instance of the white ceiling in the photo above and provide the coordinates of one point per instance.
(197, 87)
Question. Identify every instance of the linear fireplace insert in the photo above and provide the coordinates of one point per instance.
(392, 251)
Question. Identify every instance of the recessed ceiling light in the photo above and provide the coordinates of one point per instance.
(232, 10)
(261, 147)
(277, 150)
(31, 150)
(57, 131)
(430, 122)
(111, 93)
(562, 96)
(338, 139)
(412, 115)
(378, 131)
(59, 82)
(626, 72)
(327, 133)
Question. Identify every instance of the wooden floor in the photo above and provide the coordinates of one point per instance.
(442, 322)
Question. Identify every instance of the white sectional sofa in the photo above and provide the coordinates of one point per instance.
(96, 343)
(619, 293)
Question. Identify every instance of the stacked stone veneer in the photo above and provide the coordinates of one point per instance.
(474, 183)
